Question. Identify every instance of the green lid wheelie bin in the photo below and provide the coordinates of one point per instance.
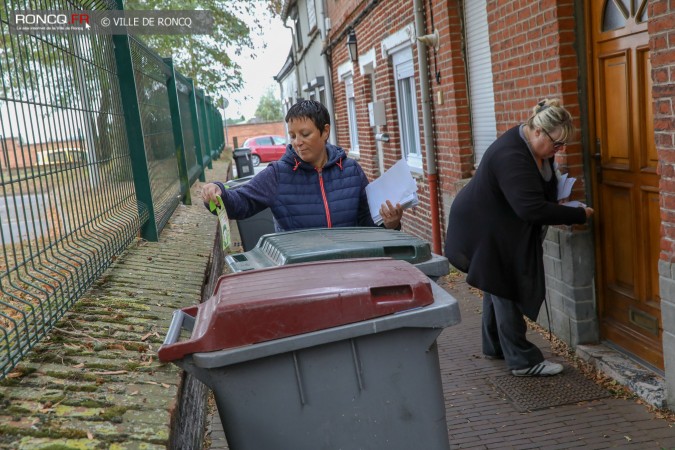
(317, 244)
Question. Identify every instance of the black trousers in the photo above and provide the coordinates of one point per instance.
(503, 333)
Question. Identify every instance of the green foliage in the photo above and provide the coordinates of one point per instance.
(207, 59)
(236, 120)
(269, 108)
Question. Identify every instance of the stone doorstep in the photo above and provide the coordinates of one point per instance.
(646, 384)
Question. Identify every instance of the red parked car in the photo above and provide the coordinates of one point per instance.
(265, 148)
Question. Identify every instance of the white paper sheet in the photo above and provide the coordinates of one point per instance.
(565, 186)
(396, 185)
(574, 204)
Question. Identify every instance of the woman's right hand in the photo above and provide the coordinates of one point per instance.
(209, 192)
(589, 212)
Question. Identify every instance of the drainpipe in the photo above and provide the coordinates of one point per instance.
(328, 71)
(429, 151)
(296, 69)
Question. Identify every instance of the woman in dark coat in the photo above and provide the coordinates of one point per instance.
(496, 228)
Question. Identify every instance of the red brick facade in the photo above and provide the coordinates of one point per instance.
(662, 46)
(450, 116)
(534, 56)
(241, 132)
(14, 155)
(538, 50)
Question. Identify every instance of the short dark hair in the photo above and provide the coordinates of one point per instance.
(309, 109)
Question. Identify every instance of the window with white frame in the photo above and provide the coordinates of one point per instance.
(322, 95)
(311, 14)
(351, 115)
(406, 105)
(298, 32)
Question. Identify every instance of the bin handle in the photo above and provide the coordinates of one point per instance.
(181, 319)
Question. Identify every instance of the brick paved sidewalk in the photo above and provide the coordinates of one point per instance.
(480, 416)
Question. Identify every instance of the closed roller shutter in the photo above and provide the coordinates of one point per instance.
(481, 94)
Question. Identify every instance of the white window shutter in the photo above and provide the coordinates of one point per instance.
(481, 93)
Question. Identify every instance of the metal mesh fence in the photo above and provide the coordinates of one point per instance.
(185, 95)
(68, 190)
(152, 75)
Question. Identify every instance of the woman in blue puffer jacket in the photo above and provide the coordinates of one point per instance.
(314, 185)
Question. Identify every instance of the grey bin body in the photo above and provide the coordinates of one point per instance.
(371, 385)
(243, 161)
(252, 228)
(339, 243)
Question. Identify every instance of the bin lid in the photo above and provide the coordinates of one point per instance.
(278, 302)
(316, 244)
(238, 182)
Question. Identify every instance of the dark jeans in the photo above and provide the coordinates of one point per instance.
(504, 331)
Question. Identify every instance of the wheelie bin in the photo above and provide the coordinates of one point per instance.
(316, 244)
(330, 354)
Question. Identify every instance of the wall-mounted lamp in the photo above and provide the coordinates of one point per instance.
(431, 40)
(351, 46)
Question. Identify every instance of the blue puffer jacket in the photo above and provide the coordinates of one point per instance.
(301, 196)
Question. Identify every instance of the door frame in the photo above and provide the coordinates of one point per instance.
(589, 136)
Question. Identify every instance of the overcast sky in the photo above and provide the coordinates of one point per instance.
(258, 71)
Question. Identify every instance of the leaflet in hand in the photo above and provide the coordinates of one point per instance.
(565, 184)
(574, 204)
(396, 185)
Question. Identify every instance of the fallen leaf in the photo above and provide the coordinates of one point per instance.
(89, 435)
(165, 385)
(14, 375)
(628, 438)
(144, 338)
(134, 393)
(78, 366)
(111, 372)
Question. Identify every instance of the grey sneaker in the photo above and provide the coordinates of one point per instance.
(543, 369)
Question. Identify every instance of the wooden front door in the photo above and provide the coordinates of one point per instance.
(626, 184)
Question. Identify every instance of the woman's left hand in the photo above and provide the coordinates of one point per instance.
(391, 215)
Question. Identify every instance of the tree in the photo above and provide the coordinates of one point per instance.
(269, 107)
(207, 58)
(235, 121)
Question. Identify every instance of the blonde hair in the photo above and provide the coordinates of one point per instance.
(549, 115)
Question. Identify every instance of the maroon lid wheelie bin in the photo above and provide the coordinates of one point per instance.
(330, 354)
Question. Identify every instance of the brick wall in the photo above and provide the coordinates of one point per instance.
(662, 47)
(15, 155)
(533, 57)
(244, 131)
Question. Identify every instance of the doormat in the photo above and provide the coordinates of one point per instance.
(533, 393)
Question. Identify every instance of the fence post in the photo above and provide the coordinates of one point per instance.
(134, 129)
(220, 130)
(199, 150)
(212, 131)
(178, 133)
(201, 104)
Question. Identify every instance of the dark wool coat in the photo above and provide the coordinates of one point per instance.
(495, 224)
(301, 196)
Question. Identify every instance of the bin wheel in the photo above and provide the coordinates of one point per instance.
(255, 159)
